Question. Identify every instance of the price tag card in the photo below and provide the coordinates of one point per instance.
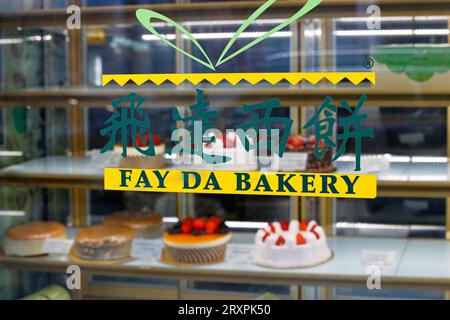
(240, 253)
(57, 246)
(293, 161)
(147, 249)
(378, 258)
(102, 160)
(267, 163)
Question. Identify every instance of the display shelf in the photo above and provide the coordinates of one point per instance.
(343, 269)
(229, 96)
(427, 261)
(54, 172)
(414, 265)
(402, 179)
(107, 15)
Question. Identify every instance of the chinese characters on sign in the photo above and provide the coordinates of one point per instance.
(324, 126)
(132, 123)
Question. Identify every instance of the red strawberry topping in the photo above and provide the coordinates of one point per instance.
(140, 142)
(313, 231)
(312, 140)
(290, 139)
(280, 241)
(199, 224)
(156, 140)
(272, 228)
(186, 228)
(265, 236)
(215, 219)
(285, 225)
(211, 227)
(300, 239)
(297, 142)
(303, 225)
(188, 220)
(229, 142)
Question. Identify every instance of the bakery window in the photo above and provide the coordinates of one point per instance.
(272, 55)
(403, 131)
(391, 217)
(52, 150)
(127, 50)
(37, 58)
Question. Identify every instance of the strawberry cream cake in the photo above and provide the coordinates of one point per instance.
(291, 245)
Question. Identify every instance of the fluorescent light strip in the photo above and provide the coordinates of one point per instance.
(394, 19)
(220, 23)
(231, 22)
(245, 224)
(398, 159)
(6, 153)
(424, 159)
(218, 35)
(391, 32)
(430, 177)
(46, 37)
(12, 213)
(380, 226)
(170, 219)
(151, 37)
(230, 224)
(313, 33)
(229, 35)
(365, 19)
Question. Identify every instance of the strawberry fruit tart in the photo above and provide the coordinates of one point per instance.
(196, 241)
(291, 245)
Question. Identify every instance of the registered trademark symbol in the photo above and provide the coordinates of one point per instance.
(368, 63)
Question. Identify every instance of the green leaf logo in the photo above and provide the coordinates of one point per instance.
(145, 16)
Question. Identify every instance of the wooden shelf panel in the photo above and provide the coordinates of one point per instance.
(229, 97)
(109, 15)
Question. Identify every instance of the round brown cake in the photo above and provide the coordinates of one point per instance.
(144, 224)
(104, 242)
(27, 239)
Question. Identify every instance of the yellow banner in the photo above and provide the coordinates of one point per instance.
(239, 182)
(234, 78)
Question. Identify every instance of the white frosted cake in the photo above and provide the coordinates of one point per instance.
(230, 146)
(291, 245)
(135, 159)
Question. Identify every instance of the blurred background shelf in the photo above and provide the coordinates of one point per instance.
(420, 179)
(215, 11)
(229, 96)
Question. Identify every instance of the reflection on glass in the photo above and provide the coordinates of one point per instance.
(391, 217)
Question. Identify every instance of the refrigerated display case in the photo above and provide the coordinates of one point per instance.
(53, 106)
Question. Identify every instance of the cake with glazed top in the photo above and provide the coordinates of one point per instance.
(103, 242)
(145, 224)
(27, 239)
(196, 241)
